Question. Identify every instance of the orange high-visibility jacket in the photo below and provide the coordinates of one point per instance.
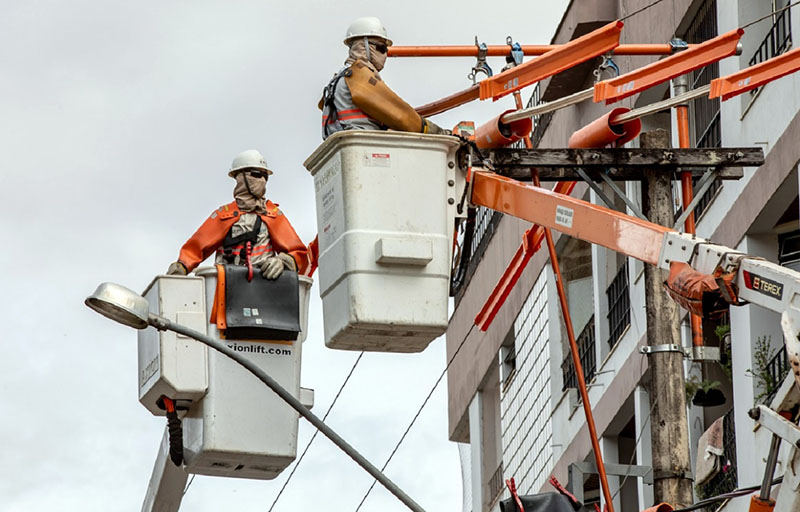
(211, 234)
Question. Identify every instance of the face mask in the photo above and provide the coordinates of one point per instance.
(377, 58)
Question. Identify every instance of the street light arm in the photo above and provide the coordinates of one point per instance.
(164, 324)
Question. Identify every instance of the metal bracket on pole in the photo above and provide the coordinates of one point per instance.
(702, 187)
(618, 191)
(654, 349)
(594, 186)
(622, 195)
(704, 353)
(578, 469)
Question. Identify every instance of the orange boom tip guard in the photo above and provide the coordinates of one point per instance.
(663, 507)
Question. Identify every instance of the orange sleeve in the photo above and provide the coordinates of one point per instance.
(285, 239)
(206, 239)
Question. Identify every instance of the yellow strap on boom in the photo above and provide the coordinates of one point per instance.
(374, 97)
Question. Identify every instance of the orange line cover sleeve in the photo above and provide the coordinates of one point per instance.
(681, 63)
(755, 76)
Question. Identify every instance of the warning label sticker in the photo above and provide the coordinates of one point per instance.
(564, 216)
(378, 159)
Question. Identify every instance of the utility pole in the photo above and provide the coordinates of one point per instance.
(668, 423)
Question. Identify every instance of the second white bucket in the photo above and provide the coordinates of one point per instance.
(385, 214)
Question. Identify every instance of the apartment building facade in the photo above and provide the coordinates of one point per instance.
(512, 389)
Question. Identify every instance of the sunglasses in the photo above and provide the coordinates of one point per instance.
(258, 174)
(382, 48)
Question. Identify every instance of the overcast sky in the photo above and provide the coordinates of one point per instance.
(118, 121)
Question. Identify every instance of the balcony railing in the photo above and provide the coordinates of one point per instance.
(777, 369)
(777, 40)
(588, 356)
(727, 479)
(619, 305)
(705, 112)
(487, 220)
(496, 484)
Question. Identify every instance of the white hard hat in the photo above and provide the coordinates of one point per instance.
(366, 27)
(250, 159)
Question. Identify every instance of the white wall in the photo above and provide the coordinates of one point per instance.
(525, 403)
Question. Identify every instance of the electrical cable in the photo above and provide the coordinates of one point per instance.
(773, 13)
(634, 13)
(313, 436)
(734, 494)
(414, 419)
(645, 424)
(185, 489)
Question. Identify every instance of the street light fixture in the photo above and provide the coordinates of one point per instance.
(127, 307)
(120, 304)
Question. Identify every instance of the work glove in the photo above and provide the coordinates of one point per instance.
(177, 269)
(273, 267)
(434, 129)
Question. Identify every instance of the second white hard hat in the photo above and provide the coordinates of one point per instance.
(366, 27)
(250, 159)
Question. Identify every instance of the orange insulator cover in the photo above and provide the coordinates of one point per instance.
(663, 507)
(601, 132)
(759, 505)
(496, 134)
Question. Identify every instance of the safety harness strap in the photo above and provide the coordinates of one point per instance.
(231, 242)
(330, 114)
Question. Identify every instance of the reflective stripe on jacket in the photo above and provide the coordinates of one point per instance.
(209, 237)
(259, 252)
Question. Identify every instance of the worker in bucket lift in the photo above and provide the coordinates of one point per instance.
(249, 231)
(357, 99)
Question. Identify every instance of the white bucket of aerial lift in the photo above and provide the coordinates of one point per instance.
(171, 364)
(241, 428)
(386, 205)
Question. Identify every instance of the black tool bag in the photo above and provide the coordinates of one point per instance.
(261, 309)
(547, 502)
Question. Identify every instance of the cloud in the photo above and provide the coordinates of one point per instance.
(120, 120)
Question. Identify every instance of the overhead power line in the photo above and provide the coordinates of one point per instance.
(634, 13)
(419, 411)
(773, 13)
(314, 435)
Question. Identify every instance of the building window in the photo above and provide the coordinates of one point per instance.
(619, 305)
(588, 356)
(496, 484)
(777, 40)
(705, 112)
(789, 250)
(508, 360)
